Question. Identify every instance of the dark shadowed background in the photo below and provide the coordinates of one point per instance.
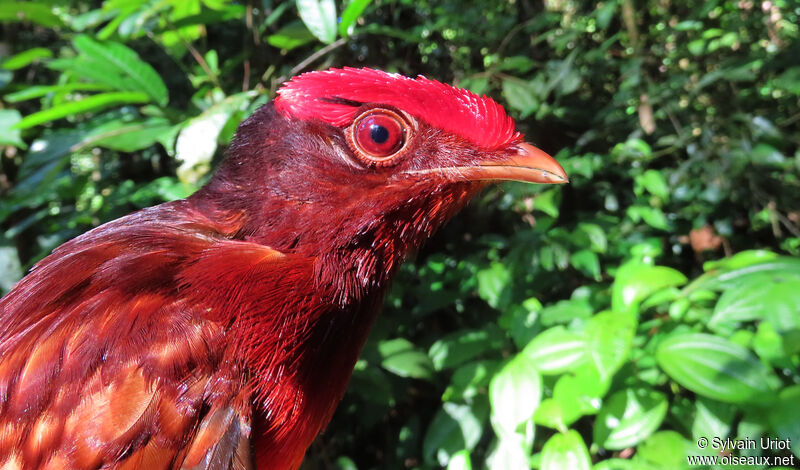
(606, 324)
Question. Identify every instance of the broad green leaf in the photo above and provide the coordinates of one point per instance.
(44, 161)
(555, 414)
(716, 368)
(635, 281)
(712, 418)
(565, 451)
(664, 450)
(25, 58)
(493, 283)
(595, 235)
(783, 267)
(403, 358)
(470, 380)
(566, 311)
(511, 453)
(582, 391)
(350, 16)
(770, 298)
(609, 338)
(784, 417)
(197, 141)
(769, 345)
(319, 17)
(35, 12)
(133, 135)
(520, 96)
(454, 428)
(556, 350)
(460, 461)
(514, 394)
(655, 183)
(9, 134)
(742, 259)
(293, 35)
(587, 262)
(628, 417)
(462, 346)
(92, 103)
(129, 71)
(652, 216)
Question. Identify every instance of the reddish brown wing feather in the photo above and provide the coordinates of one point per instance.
(108, 360)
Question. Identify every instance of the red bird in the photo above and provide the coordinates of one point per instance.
(220, 331)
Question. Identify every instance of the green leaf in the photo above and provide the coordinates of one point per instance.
(402, 358)
(470, 380)
(197, 141)
(350, 15)
(782, 267)
(9, 134)
(586, 262)
(716, 368)
(514, 394)
(128, 71)
(293, 35)
(628, 417)
(555, 414)
(664, 450)
(566, 311)
(609, 338)
(509, 453)
(131, 136)
(460, 461)
(655, 183)
(773, 299)
(565, 451)
(92, 103)
(35, 12)
(454, 428)
(712, 418)
(37, 91)
(319, 17)
(493, 284)
(462, 346)
(520, 96)
(784, 417)
(582, 392)
(25, 58)
(556, 350)
(636, 281)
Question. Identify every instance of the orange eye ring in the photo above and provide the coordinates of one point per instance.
(378, 136)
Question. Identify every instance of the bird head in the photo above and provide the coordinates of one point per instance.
(360, 160)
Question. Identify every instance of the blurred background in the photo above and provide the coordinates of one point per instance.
(607, 324)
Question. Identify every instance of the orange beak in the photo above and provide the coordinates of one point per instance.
(530, 165)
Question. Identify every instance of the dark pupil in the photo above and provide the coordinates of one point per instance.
(378, 133)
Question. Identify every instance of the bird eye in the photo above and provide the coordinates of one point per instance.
(378, 135)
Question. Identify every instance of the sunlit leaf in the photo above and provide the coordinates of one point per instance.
(92, 103)
(350, 16)
(565, 450)
(319, 17)
(716, 368)
(628, 417)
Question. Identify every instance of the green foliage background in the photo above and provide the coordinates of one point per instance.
(607, 324)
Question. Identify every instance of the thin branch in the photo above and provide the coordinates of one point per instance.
(316, 55)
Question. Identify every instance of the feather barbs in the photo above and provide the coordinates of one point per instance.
(334, 96)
